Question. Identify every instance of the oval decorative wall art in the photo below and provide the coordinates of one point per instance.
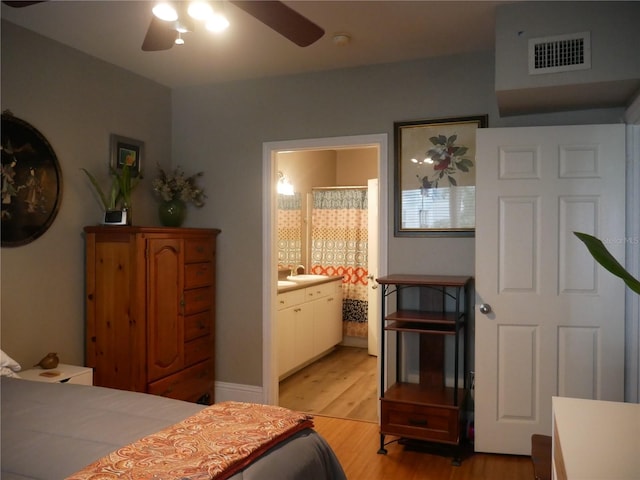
(31, 182)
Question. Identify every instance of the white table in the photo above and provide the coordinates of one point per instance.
(595, 440)
(61, 374)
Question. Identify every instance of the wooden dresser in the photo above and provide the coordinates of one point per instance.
(150, 310)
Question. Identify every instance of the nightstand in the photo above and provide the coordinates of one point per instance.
(61, 374)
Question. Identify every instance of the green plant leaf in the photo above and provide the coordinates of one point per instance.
(608, 261)
(96, 185)
(114, 193)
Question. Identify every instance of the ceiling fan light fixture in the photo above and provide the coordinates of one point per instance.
(200, 10)
(217, 23)
(165, 11)
(181, 27)
(179, 40)
(341, 39)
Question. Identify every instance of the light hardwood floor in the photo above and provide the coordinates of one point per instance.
(343, 384)
(356, 445)
(340, 390)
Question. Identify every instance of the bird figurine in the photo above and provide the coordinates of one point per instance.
(48, 362)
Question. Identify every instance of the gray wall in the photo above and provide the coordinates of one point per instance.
(221, 130)
(76, 101)
(613, 27)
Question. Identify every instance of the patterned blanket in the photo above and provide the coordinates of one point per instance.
(215, 443)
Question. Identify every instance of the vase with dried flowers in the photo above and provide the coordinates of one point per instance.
(174, 190)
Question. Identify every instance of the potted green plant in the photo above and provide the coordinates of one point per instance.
(117, 200)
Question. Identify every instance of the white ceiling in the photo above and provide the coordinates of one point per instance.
(380, 31)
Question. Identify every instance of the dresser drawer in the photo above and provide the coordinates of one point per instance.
(191, 384)
(197, 300)
(441, 424)
(197, 325)
(197, 350)
(198, 250)
(198, 275)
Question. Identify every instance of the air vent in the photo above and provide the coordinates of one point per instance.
(560, 53)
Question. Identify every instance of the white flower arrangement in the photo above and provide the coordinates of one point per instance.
(175, 185)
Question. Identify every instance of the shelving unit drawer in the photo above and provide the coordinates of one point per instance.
(420, 422)
(198, 275)
(197, 300)
(191, 384)
(198, 250)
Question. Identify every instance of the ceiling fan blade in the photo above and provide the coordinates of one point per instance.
(283, 19)
(160, 36)
(22, 4)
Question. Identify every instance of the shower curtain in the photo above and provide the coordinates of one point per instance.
(339, 243)
(289, 230)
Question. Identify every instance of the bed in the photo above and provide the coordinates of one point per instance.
(53, 431)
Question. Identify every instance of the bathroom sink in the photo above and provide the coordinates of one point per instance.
(285, 283)
(306, 277)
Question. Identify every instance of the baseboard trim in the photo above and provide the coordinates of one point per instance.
(237, 392)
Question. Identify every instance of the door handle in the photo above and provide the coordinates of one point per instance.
(485, 308)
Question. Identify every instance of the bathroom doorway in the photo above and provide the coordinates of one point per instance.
(271, 152)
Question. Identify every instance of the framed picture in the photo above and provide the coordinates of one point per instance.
(31, 182)
(126, 151)
(435, 176)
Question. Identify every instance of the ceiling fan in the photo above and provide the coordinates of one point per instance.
(162, 35)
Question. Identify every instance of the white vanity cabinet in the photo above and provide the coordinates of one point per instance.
(309, 324)
(291, 310)
(327, 316)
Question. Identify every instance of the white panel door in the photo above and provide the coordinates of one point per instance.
(556, 325)
(373, 298)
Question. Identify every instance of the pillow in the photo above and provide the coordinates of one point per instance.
(8, 366)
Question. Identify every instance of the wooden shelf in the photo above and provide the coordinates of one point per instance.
(417, 394)
(424, 280)
(423, 316)
(421, 327)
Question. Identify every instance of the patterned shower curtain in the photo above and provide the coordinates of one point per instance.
(289, 230)
(339, 243)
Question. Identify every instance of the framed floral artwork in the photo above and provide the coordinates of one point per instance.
(31, 182)
(126, 151)
(435, 176)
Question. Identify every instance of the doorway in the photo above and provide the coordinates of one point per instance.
(270, 176)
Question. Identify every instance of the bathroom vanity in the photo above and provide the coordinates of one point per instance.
(309, 320)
